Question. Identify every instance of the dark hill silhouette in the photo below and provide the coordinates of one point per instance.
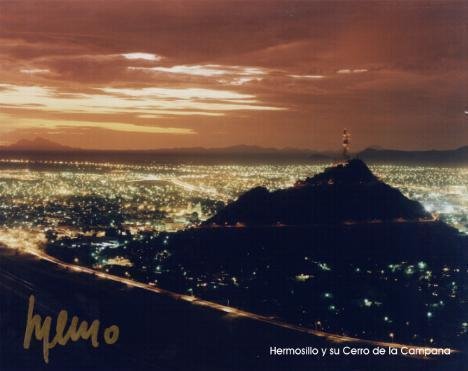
(353, 172)
(343, 193)
(37, 144)
(44, 149)
(457, 156)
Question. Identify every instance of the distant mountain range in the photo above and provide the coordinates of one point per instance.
(457, 156)
(37, 144)
(42, 144)
(452, 156)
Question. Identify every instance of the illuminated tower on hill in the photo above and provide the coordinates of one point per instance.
(346, 141)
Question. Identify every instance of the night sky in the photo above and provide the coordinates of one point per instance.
(148, 74)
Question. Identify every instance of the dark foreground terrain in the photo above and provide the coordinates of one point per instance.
(156, 332)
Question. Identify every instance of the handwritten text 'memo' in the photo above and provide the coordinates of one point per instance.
(41, 329)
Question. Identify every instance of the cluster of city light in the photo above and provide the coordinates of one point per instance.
(442, 191)
(43, 197)
(80, 199)
(437, 288)
(147, 197)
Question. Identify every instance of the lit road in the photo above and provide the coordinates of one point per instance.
(208, 191)
(334, 338)
(346, 223)
(161, 329)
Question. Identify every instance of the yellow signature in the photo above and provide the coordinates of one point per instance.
(77, 330)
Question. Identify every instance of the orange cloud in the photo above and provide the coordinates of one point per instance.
(273, 73)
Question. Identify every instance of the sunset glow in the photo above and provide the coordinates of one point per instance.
(276, 74)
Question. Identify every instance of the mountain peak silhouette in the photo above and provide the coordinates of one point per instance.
(37, 144)
(344, 193)
(354, 171)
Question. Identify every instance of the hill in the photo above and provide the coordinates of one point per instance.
(37, 144)
(343, 193)
(457, 156)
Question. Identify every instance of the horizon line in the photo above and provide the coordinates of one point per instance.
(65, 148)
